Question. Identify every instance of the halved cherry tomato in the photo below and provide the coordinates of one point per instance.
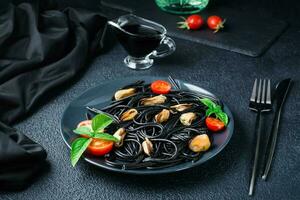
(214, 124)
(100, 147)
(160, 87)
(87, 123)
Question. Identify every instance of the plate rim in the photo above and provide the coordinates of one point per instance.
(148, 171)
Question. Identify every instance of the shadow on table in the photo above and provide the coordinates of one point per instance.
(20, 183)
(176, 59)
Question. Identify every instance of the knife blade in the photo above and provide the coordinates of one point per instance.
(280, 97)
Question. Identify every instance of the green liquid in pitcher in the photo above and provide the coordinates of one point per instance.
(182, 6)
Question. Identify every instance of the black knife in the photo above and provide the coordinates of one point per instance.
(281, 91)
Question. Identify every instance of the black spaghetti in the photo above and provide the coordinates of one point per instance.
(159, 127)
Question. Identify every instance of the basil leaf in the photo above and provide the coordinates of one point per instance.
(218, 108)
(209, 112)
(78, 147)
(83, 130)
(214, 109)
(209, 103)
(223, 117)
(100, 121)
(105, 136)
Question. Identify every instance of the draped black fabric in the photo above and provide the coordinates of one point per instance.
(41, 48)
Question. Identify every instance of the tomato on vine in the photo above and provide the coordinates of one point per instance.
(193, 22)
(215, 23)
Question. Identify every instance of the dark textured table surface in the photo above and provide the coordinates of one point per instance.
(228, 75)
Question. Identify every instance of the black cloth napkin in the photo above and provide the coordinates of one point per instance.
(41, 48)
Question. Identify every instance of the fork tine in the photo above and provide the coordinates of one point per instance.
(268, 101)
(173, 82)
(263, 92)
(253, 95)
(259, 92)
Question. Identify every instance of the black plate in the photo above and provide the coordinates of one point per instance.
(101, 95)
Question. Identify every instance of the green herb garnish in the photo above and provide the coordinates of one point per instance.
(84, 130)
(78, 147)
(215, 109)
(99, 123)
(105, 136)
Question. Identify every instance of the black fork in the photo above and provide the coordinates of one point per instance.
(260, 101)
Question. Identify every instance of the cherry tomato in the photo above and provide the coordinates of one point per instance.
(215, 23)
(214, 124)
(193, 22)
(160, 87)
(100, 147)
(87, 123)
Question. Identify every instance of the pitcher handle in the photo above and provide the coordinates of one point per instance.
(167, 47)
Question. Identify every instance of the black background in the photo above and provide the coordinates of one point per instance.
(227, 74)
